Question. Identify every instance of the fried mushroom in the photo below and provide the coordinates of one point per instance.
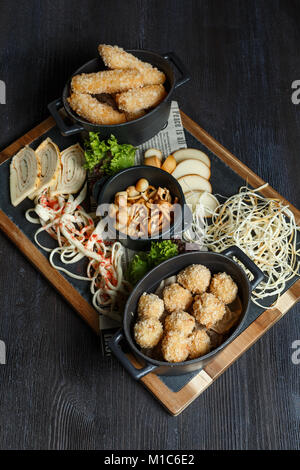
(176, 298)
(208, 309)
(148, 332)
(223, 286)
(175, 347)
(181, 322)
(195, 278)
(150, 306)
(199, 344)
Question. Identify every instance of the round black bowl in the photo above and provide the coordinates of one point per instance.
(104, 192)
(133, 132)
(216, 263)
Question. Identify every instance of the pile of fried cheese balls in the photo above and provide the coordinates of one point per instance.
(176, 327)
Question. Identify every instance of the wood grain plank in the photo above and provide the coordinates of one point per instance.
(175, 403)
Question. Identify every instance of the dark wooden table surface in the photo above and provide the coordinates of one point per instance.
(56, 391)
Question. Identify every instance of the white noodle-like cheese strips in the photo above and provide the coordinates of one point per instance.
(72, 174)
(48, 156)
(24, 175)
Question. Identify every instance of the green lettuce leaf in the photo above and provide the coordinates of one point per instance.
(95, 150)
(142, 262)
(137, 268)
(113, 156)
(161, 251)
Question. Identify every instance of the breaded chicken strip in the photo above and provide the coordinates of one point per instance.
(133, 116)
(107, 81)
(115, 57)
(132, 101)
(90, 109)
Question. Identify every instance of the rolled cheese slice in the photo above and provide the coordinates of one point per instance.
(48, 156)
(24, 175)
(72, 174)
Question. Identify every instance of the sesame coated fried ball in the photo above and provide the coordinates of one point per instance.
(195, 278)
(148, 332)
(150, 306)
(199, 344)
(176, 298)
(208, 309)
(181, 322)
(223, 287)
(175, 347)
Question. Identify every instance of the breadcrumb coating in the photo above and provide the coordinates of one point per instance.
(223, 287)
(93, 111)
(195, 278)
(132, 101)
(133, 116)
(199, 344)
(175, 347)
(230, 318)
(107, 81)
(115, 57)
(176, 298)
(150, 306)
(148, 332)
(208, 309)
(181, 322)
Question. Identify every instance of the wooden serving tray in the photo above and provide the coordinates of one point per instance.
(174, 399)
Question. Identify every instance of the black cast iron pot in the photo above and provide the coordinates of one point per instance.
(105, 189)
(132, 132)
(216, 263)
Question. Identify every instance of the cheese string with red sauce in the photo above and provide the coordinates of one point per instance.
(63, 218)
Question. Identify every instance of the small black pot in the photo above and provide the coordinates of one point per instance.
(132, 132)
(216, 263)
(105, 189)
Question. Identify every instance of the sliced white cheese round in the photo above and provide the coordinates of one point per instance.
(191, 166)
(184, 154)
(194, 183)
(208, 201)
(192, 198)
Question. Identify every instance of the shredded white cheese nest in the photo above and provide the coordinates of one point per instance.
(67, 222)
(264, 228)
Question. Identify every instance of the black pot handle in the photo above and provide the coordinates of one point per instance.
(185, 76)
(240, 255)
(115, 347)
(98, 187)
(63, 127)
